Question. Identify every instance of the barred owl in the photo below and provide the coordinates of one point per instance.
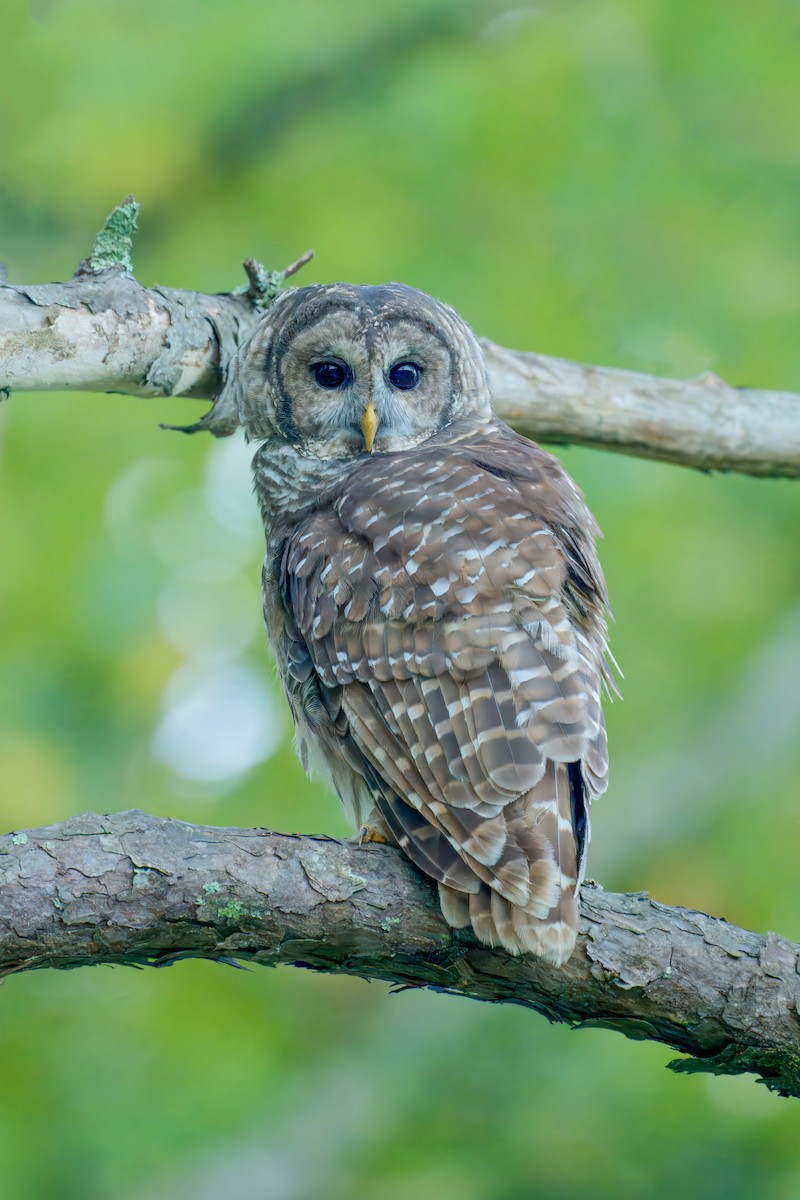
(434, 601)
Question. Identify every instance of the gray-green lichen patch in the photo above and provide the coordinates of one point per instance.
(388, 923)
(358, 881)
(231, 911)
(112, 246)
(264, 284)
(20, 839)
(209, 889)
(336, 884)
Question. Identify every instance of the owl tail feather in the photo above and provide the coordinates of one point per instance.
(547, 924)
(497, 922)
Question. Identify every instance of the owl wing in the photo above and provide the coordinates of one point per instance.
(450, 606)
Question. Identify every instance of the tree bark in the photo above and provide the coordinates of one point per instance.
(703, 423)
(103, 331)
(137, 889)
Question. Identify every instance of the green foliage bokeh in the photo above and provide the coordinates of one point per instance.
(612, 181)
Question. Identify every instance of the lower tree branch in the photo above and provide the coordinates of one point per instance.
(137, 889)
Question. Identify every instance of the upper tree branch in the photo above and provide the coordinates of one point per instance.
(133, 888)
(103, 331)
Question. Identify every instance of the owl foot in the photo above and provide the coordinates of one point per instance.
(375, 829)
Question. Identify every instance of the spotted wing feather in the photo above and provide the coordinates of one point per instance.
(451, 602)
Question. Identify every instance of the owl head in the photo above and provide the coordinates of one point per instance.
(340, 370)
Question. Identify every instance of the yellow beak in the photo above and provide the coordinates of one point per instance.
(369, 425)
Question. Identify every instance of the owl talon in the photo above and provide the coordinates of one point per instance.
(368, 833)
(375, 829)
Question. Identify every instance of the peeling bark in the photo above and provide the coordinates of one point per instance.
(102, 331)
(107, 333)
(137, 889)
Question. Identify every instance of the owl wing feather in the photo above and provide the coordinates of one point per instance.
(451, 601)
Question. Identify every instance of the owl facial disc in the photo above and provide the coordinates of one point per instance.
(339, 370)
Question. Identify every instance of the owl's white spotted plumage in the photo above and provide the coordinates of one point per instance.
(434, 602)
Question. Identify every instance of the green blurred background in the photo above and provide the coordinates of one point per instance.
(614, 181)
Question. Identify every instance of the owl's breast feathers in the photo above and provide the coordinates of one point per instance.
(443, 627)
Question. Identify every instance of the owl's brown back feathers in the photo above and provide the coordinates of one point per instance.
(439, 622)
(434, 600)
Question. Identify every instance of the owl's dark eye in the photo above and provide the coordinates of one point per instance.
(405, 375)
(330, 374)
